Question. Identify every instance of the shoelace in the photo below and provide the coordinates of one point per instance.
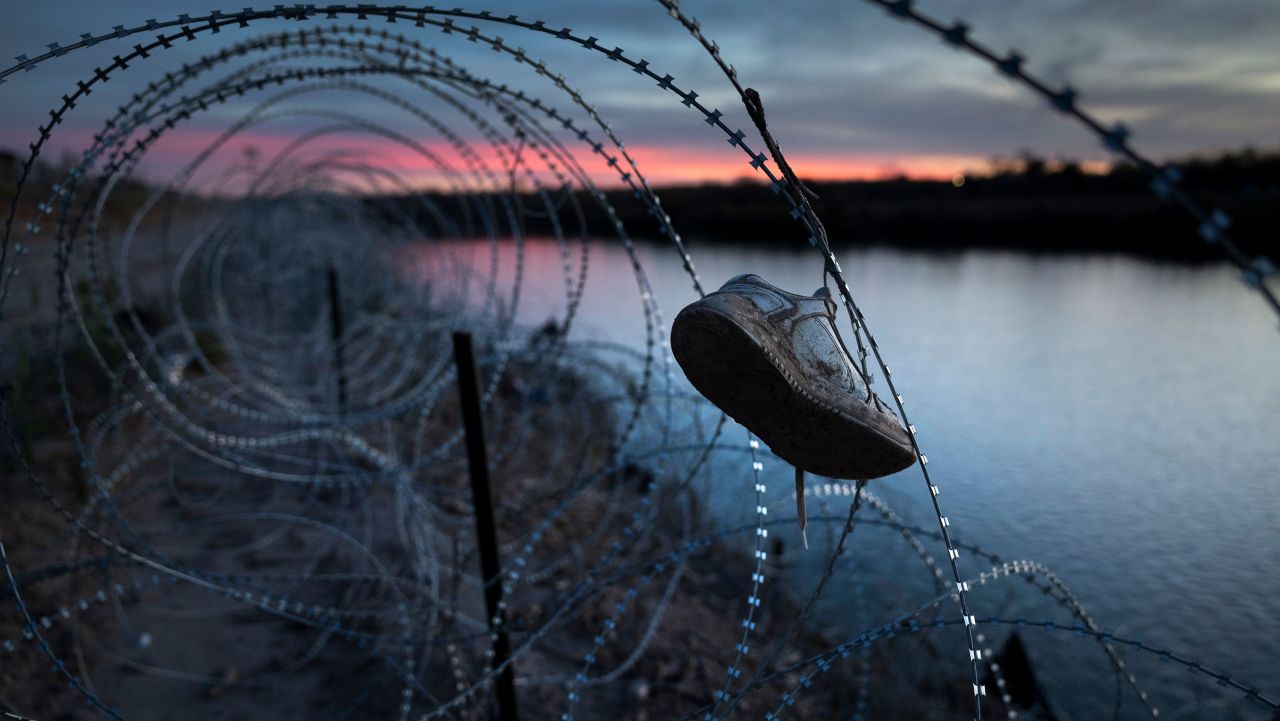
(800, 512)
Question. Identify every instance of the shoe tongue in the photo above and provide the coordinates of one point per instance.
(823, 292)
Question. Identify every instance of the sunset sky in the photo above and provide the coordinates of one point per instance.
(851, 93)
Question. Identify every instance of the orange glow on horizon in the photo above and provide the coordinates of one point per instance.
(675, 165)
(662, 165)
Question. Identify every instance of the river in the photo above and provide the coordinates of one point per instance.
(1116, 419)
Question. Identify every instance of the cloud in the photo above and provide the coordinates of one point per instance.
(841, 79)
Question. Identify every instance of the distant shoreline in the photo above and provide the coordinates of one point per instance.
(1030, 205)
(936, 217)
(1037, 209)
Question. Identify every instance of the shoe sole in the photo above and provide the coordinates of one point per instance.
(758, 393)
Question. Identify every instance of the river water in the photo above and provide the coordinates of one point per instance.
(1116, 419)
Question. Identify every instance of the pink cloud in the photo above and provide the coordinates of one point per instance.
(661, 164)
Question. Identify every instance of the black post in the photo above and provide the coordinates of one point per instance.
(335, 317)
(490, 566)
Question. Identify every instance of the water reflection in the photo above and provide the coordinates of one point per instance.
(1113, 418)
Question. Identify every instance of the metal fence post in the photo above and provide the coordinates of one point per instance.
(482, 498)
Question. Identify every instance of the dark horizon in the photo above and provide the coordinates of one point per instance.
(1028, 203)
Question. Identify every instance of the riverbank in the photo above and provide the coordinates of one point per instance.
(245, 613)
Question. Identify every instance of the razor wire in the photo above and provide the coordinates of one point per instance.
(228, 407)
(1165, 179)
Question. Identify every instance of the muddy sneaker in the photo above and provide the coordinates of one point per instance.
(775, 363)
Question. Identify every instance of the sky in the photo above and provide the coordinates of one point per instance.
(850, 92)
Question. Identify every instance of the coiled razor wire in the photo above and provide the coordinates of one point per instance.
(241, 452)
